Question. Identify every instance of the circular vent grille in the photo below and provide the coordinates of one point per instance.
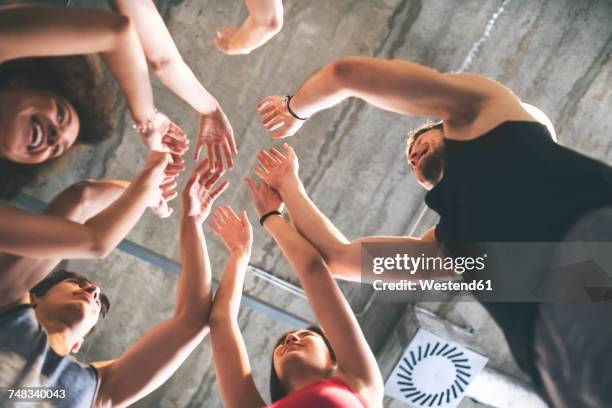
(433, 372)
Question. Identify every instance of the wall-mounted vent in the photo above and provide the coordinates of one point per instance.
(433, 372)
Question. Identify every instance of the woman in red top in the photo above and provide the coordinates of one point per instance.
(309, 368)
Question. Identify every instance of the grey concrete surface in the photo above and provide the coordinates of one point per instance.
(554, 54)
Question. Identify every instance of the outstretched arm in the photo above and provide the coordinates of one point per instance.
(44, 236)
(215, 132)
(265, 20)
(355, 359)
(78, 203)
(232, 366)
(150, 361)
(343, 257)
(394, 85)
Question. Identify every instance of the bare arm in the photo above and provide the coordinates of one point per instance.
(341, 255)
(34, 31)
(265, 20)
(150, 361)
(77, 203)
(353, 354)
(394, 85)
(44, 236)
(231, 360)
(168, 65)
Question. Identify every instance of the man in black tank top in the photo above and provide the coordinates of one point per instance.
(495, 174)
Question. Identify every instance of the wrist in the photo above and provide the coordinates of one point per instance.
(290, 184)
(290, 104)
(241, 251)
(210, 107)
(143, 121)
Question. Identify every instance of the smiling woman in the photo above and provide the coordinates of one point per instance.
(44, 115)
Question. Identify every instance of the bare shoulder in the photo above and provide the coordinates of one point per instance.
(498, 104)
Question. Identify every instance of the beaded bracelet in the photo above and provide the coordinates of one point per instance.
(147, 125)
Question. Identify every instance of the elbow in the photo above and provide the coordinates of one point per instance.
(274, 25)
(341, 71)
(163, 63)
(218, 317)
(315, 266)
(99, 247)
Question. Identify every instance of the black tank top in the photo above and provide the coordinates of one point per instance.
(515, 184)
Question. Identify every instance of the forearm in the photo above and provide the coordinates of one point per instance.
(148, 363)
(302, 256)
(230, 357)
(126, 61)
(229, 294)
(180, 79)
(112, 224)
(194, 291)
(163, 56)
(310, 222)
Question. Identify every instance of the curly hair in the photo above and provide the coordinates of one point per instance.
(77, 78)
(277, 390)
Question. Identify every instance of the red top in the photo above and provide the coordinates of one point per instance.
(326, 393)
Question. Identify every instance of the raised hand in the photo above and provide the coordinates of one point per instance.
(162, 135)
(200, 191)
(216, 134)
(276, 117)
(265, 199)
(235, 232)
(167, 186)
(276, 169)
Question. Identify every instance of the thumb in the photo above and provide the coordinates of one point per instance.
(244, 218)
(251, 185)
(289, 150)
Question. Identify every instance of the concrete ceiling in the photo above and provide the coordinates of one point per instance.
(553, 54)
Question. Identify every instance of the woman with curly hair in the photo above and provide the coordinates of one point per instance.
(51, 97)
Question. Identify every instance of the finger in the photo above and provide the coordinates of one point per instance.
(217, 192)
(211, 180)
(228, 154)
(198, 151)
(273, 115)
(175, 146)
(251, 185)
(264, 102)
(263, 160)
(275, 125)
(202, 166)
(231, 213)
(167, 186)
(213, 226)
(218, 158)
(218, 217)
(169, 195)
(261, 174)
(193, 184)
(209, 152)
(244, 219)
(273, 162)
(267, 110)
(277, 155)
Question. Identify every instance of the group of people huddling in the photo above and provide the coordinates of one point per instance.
(492, 170)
